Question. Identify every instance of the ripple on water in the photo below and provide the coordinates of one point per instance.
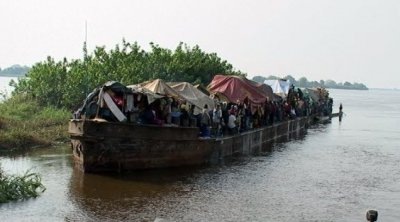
(333, 173)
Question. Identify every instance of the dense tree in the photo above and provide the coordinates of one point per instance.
(291, 79)
(330, 83)
(46, 82)
(66, 84)
(273, 77)
(259, 79)
(303, 82)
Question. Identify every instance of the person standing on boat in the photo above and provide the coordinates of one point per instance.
(247, 114)
(216, 119)
(232, 122)
(205, 122)
(184, 117)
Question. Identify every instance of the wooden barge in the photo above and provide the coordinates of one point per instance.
(107, 133)
(112, 146)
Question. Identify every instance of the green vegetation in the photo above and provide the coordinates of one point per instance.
(15, 70)
(66, 83)
(24, 124)
(303, 82)
(19, 187)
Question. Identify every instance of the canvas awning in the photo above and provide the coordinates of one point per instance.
(178, 90)
(160, 87)
(151, 97)
(192, 95)
(279, 87)
(266, 89)
(236, 88)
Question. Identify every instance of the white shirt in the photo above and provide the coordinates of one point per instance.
(231, 121)
(217, 116)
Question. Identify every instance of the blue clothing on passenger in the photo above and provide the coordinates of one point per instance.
(148, 116)
(176, 114)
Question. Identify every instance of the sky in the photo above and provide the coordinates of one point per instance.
(341, 40)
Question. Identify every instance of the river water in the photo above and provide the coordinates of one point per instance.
(335, 172)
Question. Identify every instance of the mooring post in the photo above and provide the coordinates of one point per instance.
(372, 215)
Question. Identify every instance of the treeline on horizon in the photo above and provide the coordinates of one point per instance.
(14, 70)
(303, 82)
(66, 83)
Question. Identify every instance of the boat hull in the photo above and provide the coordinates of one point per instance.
(108, 146)
(104, 146)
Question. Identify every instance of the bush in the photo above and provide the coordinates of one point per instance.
(24, 123)
(66, 84)
(19, 187)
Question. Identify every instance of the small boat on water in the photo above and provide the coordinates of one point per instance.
(107, 134)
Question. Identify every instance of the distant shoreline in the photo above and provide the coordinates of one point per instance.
(16, 76)
(347, 88)
(387, 89)
(11, 75)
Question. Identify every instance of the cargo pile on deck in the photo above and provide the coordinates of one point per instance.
(227, 106)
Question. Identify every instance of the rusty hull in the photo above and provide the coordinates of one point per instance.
(110, 146)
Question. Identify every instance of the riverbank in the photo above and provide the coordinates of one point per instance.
(25, 124)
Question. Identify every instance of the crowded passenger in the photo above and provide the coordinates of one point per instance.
(224, 117)
(216, 120)
(232, 122)
(205, 122)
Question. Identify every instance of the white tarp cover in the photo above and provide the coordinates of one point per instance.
(151, 97)
(279, 87)
(192, 95)
(114, 108)
(179, 90)
(160, 87)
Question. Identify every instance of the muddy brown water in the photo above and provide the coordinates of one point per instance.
(333, 173)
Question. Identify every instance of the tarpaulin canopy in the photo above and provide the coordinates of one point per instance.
(317, 94)
(202, 88)
(266, 89)
(158, 86)
(151, 96)
(236, 88)
(279, 87)
(178, 90)
(192, 95)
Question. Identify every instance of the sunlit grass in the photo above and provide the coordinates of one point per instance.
(25, 124)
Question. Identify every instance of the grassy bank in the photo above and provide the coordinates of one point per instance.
(25, 124)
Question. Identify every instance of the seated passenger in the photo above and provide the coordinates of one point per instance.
(149, 116)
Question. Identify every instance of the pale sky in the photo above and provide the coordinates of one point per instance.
(342, 40)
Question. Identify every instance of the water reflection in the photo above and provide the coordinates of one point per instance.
(335, 172)
(163, 193)
(174, 194)
(125, 195)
